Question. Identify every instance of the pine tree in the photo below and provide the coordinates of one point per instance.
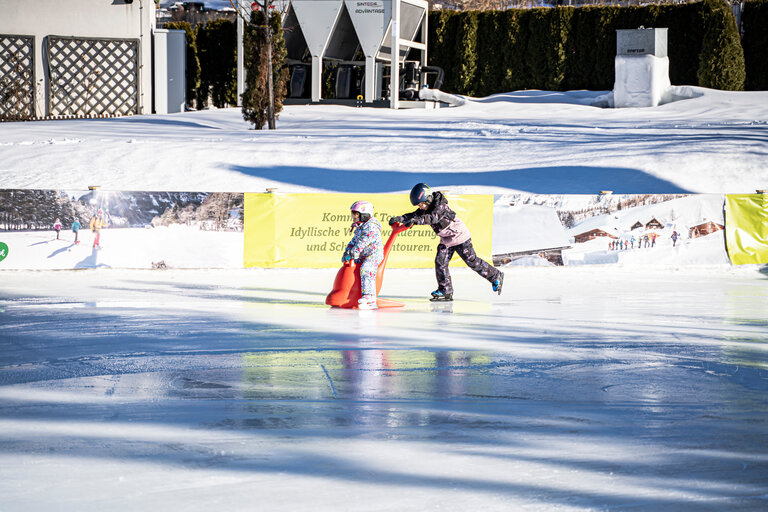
(266, 78)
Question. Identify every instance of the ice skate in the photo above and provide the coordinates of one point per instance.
(367, 303)
(498, 283)
(439, 296)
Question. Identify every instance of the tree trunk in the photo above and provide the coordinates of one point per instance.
(270, 84)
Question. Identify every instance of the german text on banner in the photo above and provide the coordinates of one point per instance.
(312, 230)
(746, 228)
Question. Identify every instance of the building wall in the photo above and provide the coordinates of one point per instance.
(112, 19)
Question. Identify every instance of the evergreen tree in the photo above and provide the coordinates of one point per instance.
(260, 84)
(721, 61)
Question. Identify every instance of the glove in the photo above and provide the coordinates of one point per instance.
(396, 220)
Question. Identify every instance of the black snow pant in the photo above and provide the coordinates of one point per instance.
(467, 253)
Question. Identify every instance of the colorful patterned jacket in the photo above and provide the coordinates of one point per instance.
(366, 243)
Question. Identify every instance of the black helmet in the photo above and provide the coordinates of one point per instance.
(421, 193)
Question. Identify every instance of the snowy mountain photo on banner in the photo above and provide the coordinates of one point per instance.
(137, 229)
(642, 229)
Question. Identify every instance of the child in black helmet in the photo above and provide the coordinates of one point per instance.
(454, 236)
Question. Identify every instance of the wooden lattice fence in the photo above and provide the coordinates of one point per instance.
(92, 77)
(17, 77)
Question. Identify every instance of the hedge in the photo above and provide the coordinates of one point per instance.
(217, 51)
(755, 43)
(568, 48)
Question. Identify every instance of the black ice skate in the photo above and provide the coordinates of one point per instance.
(498, 283)
(439, 296)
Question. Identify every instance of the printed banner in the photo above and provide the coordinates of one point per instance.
(72, 229)
(312, 230)
(52, 229)
(602, 229)
(746, 230)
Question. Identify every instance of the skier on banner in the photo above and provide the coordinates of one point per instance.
(454, 236)
(97, 222)
(57, 227)
(76, 229)
(366, 248)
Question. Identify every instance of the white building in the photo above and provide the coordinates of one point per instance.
(76, 58)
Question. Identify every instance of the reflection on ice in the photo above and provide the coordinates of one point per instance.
(363, 374)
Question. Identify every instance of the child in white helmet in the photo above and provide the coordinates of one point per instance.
(367, 249)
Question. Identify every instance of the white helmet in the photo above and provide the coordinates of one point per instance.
(362, 207)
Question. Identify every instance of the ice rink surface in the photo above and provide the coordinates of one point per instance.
(597, 388)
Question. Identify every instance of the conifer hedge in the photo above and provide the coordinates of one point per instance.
(217, 51)
(755, 43)
(567, 48)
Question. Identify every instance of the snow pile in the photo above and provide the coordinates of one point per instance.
(641, 80)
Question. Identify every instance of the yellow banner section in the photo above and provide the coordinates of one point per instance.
(312, 230)
(746, 228)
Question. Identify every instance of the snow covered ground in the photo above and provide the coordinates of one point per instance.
(607, 387)
(176, 246)
(531, 141)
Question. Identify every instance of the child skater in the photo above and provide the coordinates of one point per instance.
(454, 236)
(366, 248)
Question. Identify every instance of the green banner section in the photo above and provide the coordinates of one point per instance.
(746, 228)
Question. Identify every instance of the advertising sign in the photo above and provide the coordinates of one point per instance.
(746, 230)
(312, 230)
